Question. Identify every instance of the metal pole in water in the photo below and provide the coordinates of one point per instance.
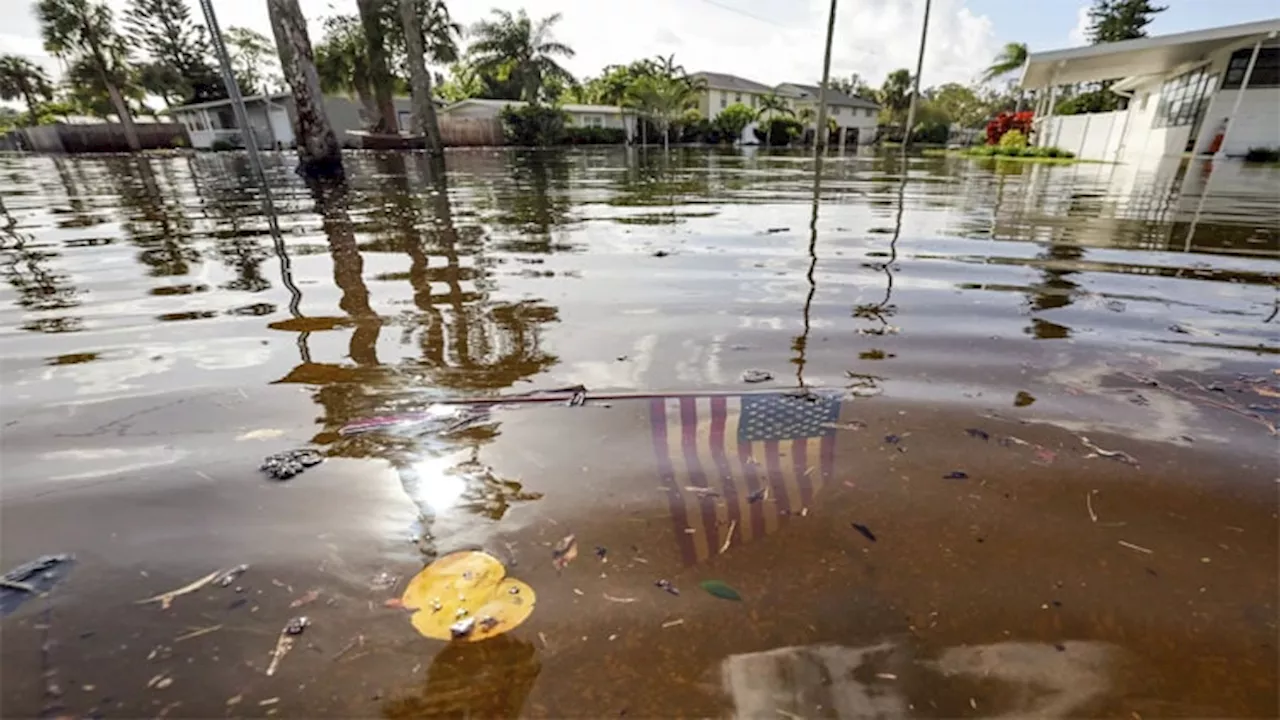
(237, 104)
(915, 89)
(819, 138)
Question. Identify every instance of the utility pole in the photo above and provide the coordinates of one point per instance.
(915, 88)
(822, 134)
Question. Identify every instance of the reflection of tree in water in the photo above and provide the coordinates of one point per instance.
(79, 210)
(487, 679)
(468, 343)
(40, 288)
(235, 209)
(153, 222)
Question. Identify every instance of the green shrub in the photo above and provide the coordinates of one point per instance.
(595, 136)
(732, 120)
(934, 131)
(1262, 155)
(1012, 151)
(533, 125)
(779, 131)
(1013, 139)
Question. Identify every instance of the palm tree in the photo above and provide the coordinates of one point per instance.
(514, 46)
(371, 14)
(82, 29)
(771, 105)
(895, 94)
(424, 109)
(663, 100)
(1011, 57)
(342, 63)
(21, 79)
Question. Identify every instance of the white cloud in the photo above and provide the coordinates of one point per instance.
(1079, 34)
(872, 37)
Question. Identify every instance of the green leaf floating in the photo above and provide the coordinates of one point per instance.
(720, 590)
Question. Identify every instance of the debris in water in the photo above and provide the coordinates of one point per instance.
(197, 633)
(467, 585)
(230, 576)
(666, 585)
(579, 399)
(956, 475)
(306, 599)
(661, 253)
(850, 425)
(384, 581)
(720, 589)
(728, 537)
(564, 552)
(866, 531)
(32, 578)
(886, 676)
(1023, 399)
(1088, 503)
(284, 643)
(892, 439)
(463, 627)
(701, 491)
(1139, 548)
(1096, 451)
(772, 231)
(758, 495)
(166, 599)
(1010, 440)
(978, 433)
(602, 552)
(756, 376)
(284, 465)
(611, 598)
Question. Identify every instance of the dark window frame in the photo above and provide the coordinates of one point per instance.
(1266, 71)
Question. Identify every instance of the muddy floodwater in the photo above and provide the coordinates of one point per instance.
(1009, 448)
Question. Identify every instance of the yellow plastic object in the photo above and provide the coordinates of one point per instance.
(467, 585)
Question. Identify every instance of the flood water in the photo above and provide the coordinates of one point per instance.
(1046, 395)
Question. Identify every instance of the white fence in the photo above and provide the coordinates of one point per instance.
(1094, 136)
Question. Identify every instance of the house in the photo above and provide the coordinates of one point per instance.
(720, 90)
(600, 116)
(271, 118)
(856, 117)
(1211, 92)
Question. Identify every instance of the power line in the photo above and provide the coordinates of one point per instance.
(743, 13)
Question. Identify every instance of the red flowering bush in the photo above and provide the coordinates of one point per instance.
(1006, 121)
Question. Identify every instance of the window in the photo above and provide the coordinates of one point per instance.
(1266, 71)
(737, 98)
(835, 110)
(724, 100)
(1182, 99)
(596, 121)
(871, 112)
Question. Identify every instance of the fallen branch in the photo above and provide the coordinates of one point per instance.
(1088, 502)
(166, 598)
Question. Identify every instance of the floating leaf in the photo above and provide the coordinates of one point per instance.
(978, 433)
(465, 585)
(720, 590)
(866, 531)
(564, 552)
(956, 475)
(1023, 399)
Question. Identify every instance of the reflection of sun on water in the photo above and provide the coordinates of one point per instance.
(436, 487)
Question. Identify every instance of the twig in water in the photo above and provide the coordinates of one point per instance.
(728, 537)
(1139, 548)
(197, 633)
(166, 599)
(1088, 502)
(611, 598)
(1120, 455)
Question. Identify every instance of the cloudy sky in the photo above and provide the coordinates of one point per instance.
(769, 41)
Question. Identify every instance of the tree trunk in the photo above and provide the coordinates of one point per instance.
(31, 105)
(425, 122)
(126, 117)
(317, 145)
(666, 137)
(367, 102)
(379, 71)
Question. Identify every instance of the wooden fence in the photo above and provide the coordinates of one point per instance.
(467, 131)
(101, 137)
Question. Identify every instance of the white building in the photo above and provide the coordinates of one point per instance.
(271, 118)
(601, 116)
(1214, 92)
(857, 117)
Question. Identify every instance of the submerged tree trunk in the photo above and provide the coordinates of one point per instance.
(365, 95)
(379, 71)
(425, 122)
(317, 145)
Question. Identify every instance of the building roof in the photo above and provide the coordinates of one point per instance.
(725, 81)
(227, 101)
(1143, 56)
(568, 107)
(833, 96)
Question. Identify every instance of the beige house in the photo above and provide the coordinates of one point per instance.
(601, 116)
(720, 90)
(856, 116)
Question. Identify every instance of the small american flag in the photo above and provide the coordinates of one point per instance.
(717, 452)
